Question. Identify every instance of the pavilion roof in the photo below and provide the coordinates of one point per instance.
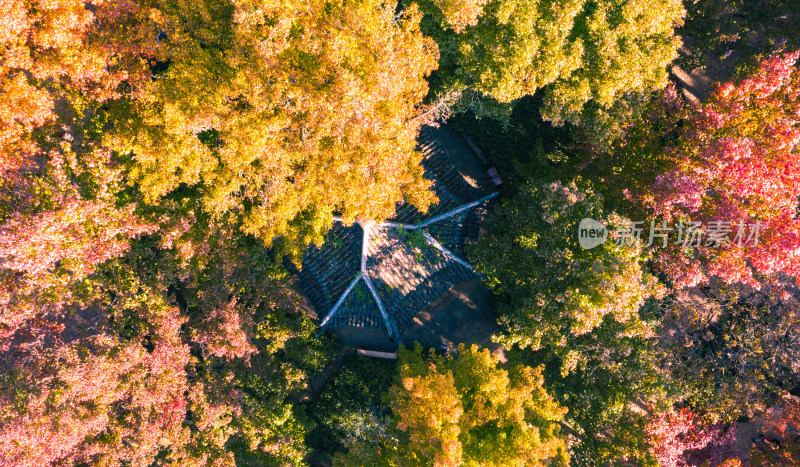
(382, 275)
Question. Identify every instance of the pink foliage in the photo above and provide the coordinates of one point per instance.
(82, 233)
(683, 271)
(677, 440)
(685, 193)
(226, 332)
(42, 254)
(118, 388)
(738, 161)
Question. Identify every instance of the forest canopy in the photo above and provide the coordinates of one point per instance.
(165, 165)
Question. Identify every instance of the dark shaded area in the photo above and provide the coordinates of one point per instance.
(351, 404)
(524, 140)
(159, 69)
(747, 27)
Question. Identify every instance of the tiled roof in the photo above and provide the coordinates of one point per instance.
(382, 275)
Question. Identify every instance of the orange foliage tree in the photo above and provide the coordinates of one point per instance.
(281, 114)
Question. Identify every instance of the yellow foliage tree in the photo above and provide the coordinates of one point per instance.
(282, 113)
(466, 411)
(591, 55)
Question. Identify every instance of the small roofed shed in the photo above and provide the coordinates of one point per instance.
(381, 275)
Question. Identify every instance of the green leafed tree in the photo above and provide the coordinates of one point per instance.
(609, 393)
(553, 289)
(592, 57)
(466, 411)
(584, 314)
